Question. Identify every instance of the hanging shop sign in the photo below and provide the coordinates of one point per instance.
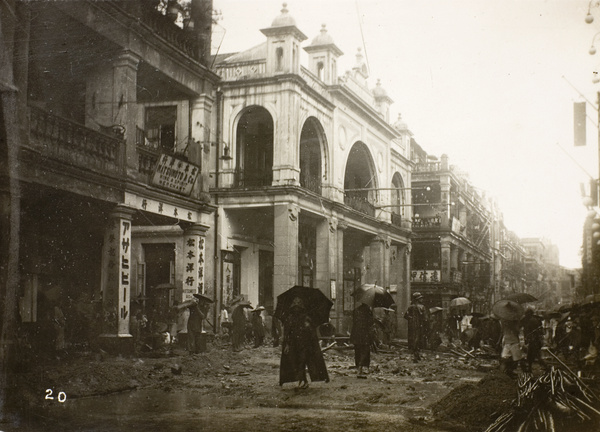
(175, 174)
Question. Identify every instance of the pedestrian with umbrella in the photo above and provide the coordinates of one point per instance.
(198, 311)
(509, 313)
(302, 310)
(258, 326)
(533, 331)
(238, 323)
(362, 337)
(417, 316)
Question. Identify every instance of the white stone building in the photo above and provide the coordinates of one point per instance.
(308, 175)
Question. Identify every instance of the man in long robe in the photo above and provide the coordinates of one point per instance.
(300, 349)
(362, 337)
(417, 316)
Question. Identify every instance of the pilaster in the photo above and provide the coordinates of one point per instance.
(285, 265)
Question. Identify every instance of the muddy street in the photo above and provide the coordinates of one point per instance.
(226, 390)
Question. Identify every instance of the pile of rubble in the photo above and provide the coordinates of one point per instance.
(557, 400)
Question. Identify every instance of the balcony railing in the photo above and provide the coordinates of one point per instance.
(358, 201)
(428, 166)
(148, 153)
(168, 30)
(72, 142)
(311, 183)
(251, 178)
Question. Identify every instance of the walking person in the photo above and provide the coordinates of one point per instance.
(195, 327)
(417, 317)
(258, 326)
(362, 337)
(276, 331)
(533, 332)
(300, 348)
(238, 327)
(511, 353)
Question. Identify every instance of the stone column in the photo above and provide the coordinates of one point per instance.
(111, 100)
(116, 272)
(199, 147)
(338, 304)
(194, 257)
(285, 266)
(376, 270)
(326, 254)
(124, 105)
(404, 290)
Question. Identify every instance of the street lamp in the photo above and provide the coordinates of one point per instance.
(592, 49)
(589, 18)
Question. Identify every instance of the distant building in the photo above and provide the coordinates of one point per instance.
(452, 254)
(545, 278)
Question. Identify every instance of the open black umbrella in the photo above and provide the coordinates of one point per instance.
(316, 304)
(508, 310)
(373, 295)
(520, 297)
(203, 298)
(460, 302)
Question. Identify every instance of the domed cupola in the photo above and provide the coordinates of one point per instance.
(322, 56)
(283, 44)
(400, 124)
(382, 101)
(284, 19)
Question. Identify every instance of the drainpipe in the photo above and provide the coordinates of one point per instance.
(218, 298)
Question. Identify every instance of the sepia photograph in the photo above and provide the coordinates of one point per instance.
(302, 215)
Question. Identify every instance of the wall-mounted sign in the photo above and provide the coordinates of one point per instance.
(425, 276)
(175, 174)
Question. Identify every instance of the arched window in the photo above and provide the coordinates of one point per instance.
(360, 180)
(279, 57)
(254, 139)
(320, 71)
(310, 155)
(397, 199)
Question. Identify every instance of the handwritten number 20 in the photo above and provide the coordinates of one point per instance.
(62, 396)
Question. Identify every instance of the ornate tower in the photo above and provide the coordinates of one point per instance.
(322, 57)
(283, 44)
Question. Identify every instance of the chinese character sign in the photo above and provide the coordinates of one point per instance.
(425, 276)
(193, 274)
(175, 174)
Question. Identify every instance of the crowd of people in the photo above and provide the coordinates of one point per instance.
(517, 337)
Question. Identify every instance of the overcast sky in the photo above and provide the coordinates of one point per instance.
(490, 83)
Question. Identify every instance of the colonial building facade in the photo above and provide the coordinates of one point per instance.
(309, 176)
(108, 164)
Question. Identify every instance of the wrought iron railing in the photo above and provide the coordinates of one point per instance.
(251, 178)
(311, 183)
(359, 201)
(72, 142)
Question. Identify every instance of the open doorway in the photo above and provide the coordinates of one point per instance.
(159, 259)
